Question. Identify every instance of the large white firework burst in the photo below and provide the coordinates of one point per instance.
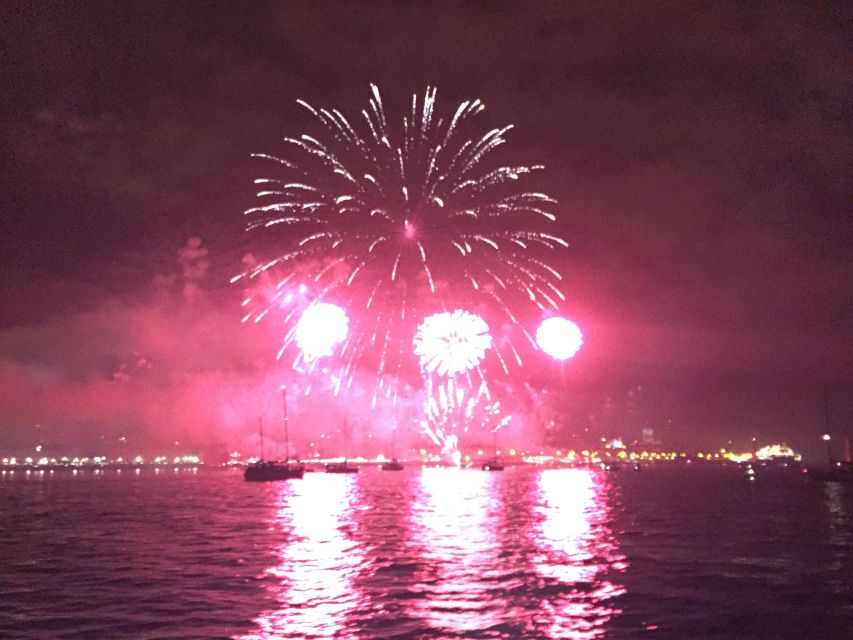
(320, 328)
(452, 343)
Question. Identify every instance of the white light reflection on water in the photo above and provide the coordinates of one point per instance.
(315, 591)
(839, 529)
(455, 520)
(578, 552)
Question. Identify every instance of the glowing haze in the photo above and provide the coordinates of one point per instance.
(732, 318)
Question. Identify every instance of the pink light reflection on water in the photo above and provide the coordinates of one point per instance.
(454, 518)
(314, 581)
(577, 550)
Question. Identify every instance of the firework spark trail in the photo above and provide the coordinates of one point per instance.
(451, 346)
(393, 232)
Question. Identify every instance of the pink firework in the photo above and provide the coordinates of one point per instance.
(320, 328)
(452, 343)
(559, 338)
(394, 217)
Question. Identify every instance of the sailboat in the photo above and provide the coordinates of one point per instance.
(270, 470)
(495, 463)
(393, 464)
(342, 467)
(838, 470)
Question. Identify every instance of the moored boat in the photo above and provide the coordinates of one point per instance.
(341, 467)
(272, 470)
(392, 465)
(493, 464)
(836, 472)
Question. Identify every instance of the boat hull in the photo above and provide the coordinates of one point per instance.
(273, 471)
(831, 475)
(392, 465)
(341, 467)
(492, 465)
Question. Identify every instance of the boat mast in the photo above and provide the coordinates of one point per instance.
(286, 435)
(826, 421)
(346, 437)
(261, 428)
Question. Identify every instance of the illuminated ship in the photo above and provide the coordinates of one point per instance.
(271, 470)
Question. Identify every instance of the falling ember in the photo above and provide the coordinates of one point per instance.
(452, 343)
(320, 328)
(559, 338)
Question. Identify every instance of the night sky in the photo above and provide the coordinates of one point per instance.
(700, 154)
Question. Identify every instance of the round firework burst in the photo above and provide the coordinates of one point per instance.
(559, 338)
(396, 221)
(452, 343)
(319, 329)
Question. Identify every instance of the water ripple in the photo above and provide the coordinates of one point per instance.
(432, 553)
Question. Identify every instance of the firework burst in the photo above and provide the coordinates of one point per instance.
(559, 338)
(452, 343)
(396, 223)
(319, 329)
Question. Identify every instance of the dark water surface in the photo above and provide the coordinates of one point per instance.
(434, 553)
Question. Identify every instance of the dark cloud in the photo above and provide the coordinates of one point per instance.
(700, 154)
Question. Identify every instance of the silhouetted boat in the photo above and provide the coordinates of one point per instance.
(496, 463)
(342, 467)
(838, 472)
(272, 470)
(392, 465)
(493, 464)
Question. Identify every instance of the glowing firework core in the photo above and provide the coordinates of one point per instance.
(320, 328)
(452, 343)
(559, 338)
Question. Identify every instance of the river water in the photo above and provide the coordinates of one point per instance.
(425, 553)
